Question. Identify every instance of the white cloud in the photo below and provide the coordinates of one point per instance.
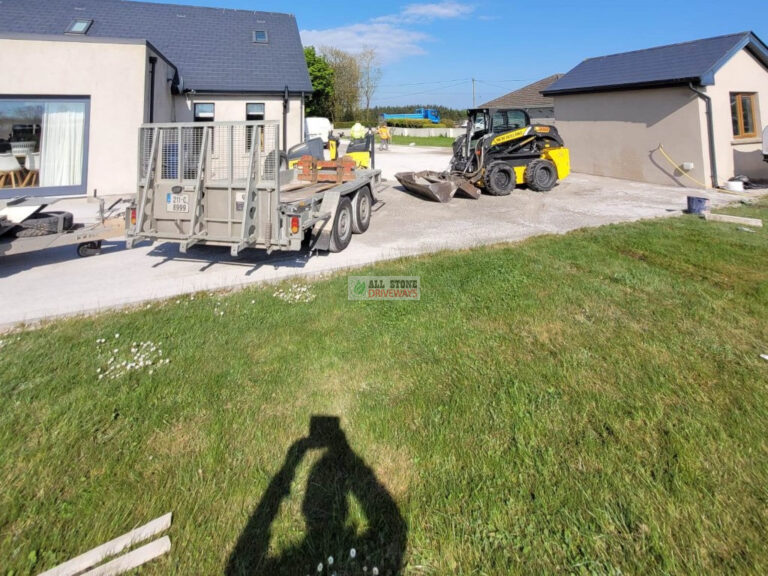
(389, 35)
(392, 43)
(438, 10)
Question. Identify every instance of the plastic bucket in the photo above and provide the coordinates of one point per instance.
(734, 185)
(697, 205)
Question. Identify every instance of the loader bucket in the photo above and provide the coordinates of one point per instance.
(430, 185)
(437, 186)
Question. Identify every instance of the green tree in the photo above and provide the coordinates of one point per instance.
(320, 103)
(346, 82)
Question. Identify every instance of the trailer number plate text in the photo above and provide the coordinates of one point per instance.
(177, 203)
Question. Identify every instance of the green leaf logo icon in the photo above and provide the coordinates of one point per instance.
(359, 288)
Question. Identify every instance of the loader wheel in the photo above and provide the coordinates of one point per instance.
(342, 226)
(541, 175)
(361, 210)
(500, 179)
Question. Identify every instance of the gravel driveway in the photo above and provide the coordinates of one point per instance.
(55, 282)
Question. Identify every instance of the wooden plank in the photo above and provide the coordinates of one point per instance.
(133, 559)
(756, 222)
(111, 548)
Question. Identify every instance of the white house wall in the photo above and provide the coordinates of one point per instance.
(742, 73)
(230, 108)
(112, 75)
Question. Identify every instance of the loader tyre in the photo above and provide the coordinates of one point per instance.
(361, 210)
(341, 234)
(541, 175)
(43, 224)
(499, 179)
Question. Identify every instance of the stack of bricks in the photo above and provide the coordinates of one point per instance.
(338, 171)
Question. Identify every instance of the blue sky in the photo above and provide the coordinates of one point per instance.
(430, 50)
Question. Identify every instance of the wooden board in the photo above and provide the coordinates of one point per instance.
(756, 222)
(133, 559)
(111, 548)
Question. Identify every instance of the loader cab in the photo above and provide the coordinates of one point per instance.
(484, 121)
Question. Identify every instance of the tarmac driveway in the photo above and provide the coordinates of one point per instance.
(55, 282)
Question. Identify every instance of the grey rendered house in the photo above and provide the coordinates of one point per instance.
(80, 76)
(703, 102)
(540, 108)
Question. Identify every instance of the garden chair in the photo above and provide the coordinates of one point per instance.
(10, 171)
(32, 166)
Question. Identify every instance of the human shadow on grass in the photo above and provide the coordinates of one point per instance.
(339, 474)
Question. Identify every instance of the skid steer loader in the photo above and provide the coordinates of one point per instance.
(500, 150)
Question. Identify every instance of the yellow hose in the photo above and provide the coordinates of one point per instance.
(699, 182)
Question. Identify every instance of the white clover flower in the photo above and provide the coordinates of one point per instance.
(117, 335)
(330, 560)
(375, 571)
(320, 567)
(352, 552)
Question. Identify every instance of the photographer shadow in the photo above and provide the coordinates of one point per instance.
(339, 474)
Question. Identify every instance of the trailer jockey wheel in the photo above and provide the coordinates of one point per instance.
(341, 234)
(541, 175)
(89, 249)
(361, 210)
(499, 179)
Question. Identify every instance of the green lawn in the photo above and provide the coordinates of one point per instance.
(440, 141)
(592, 404)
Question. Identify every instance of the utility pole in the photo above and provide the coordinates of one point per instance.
(474, 104)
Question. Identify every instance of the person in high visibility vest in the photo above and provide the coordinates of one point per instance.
(385, 136)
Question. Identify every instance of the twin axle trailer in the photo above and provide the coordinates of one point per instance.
(224, 184)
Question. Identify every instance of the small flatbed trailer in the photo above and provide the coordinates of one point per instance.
(26, 225)
(223, 184)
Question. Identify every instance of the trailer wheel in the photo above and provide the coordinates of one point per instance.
(44, 223)
(541, 175)
(342, 226)
(89, 249)
(361, 210)
(500, 179)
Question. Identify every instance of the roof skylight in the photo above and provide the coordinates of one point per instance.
(79, 26)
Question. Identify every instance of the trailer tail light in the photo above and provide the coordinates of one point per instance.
(294, 225)
(133, 216)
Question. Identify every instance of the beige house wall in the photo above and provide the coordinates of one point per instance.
(618, 134)
(742, 73)
(165, 106)
(113, 75)
(231, 108)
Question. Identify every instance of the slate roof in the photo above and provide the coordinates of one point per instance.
(527, 97)
(676, 64)
(212, 48)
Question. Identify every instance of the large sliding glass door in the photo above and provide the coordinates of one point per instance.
(43, 146)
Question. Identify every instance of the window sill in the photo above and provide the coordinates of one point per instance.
(740, 141)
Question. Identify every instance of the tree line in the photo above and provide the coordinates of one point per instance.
(345, 84)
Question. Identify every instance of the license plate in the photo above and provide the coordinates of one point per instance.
(177, 203)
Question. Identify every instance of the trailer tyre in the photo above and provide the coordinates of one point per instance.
(541, 175)
(361, 210)
(43, 224)
(500, 179)
(89, 249)
(341, 234)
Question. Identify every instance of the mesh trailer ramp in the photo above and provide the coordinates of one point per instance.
(226, 184)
